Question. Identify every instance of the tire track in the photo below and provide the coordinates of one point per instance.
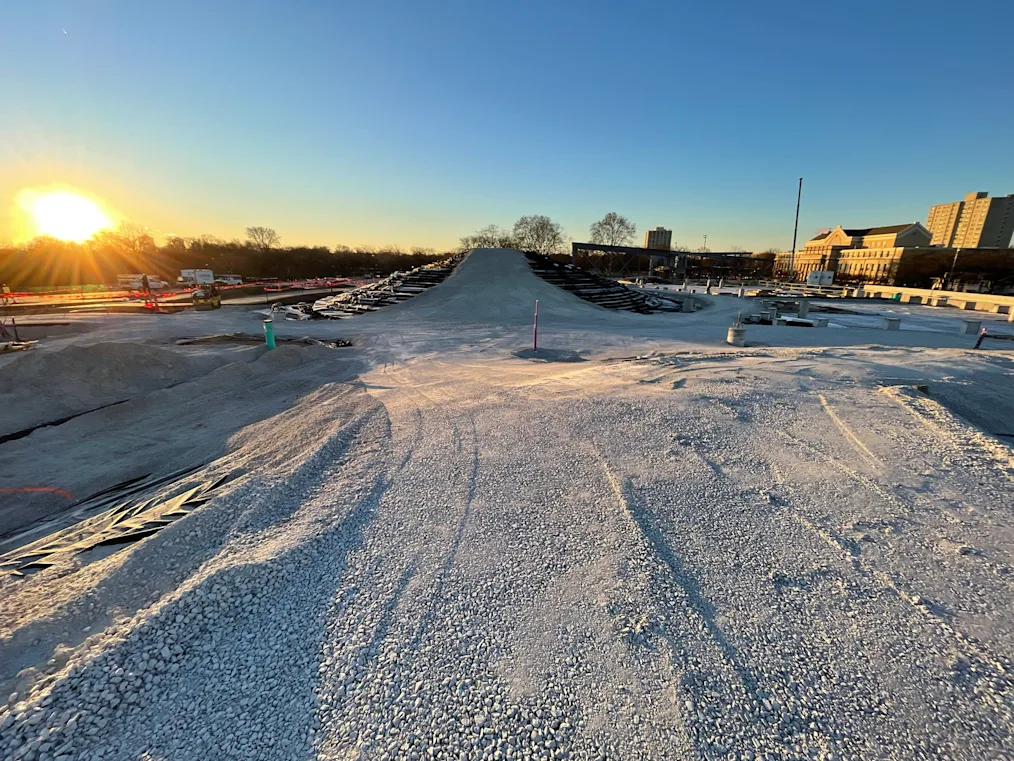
(981, 451)
(963, 643)
(848, 434)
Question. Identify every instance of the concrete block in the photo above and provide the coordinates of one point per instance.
(736, 336)
(940, 301)
(911, 298)
(1010, 316)
(820, 322)
(892, 323)
(1000, 309)
(969, 305)
(804, 308)
(970, 327)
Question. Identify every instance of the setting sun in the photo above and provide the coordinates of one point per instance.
(64, 214)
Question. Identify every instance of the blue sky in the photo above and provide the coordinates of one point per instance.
(413, 123)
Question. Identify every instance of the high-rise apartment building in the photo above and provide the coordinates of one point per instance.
(659, 239)
(977, 222)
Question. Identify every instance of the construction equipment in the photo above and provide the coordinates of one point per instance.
(207, 298)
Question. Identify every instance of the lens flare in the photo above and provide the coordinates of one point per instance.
(64, 214)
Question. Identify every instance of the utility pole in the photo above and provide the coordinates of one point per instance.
(949, 277)
(795, 230)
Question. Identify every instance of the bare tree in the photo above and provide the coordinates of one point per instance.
(613, 230)
(262, 237)
(137, 236)
(538, 233)
(131, 230)
(490, 236)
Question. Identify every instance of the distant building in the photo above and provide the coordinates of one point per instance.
(893, 255)
(824, 251)
(659, 239)
(977, 222)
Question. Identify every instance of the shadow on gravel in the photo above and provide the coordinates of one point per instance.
(271, 594)
(437, 597)
(181, 425)
(549, 355)
(687, 582)
(152, 569)
(987, 406)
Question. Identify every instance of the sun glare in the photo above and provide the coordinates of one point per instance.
(64, 214)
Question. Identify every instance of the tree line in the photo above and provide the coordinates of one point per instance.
(542, 235)
(130, 249)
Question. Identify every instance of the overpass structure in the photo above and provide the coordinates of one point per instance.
(677, 261)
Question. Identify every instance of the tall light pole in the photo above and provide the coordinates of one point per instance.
(949, 277)
(795, 230)
(705, 245)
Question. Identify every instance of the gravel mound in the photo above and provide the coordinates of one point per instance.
(497, 286)
(44, 386)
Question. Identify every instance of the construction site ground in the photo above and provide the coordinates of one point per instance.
(637, 542)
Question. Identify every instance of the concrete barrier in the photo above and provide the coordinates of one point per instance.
(970, 327)
(804, 308)
(983, 302)
(892, 323)
(911, 298)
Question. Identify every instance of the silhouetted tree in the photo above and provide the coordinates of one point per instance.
(47, 261)
(262, 237)
(490, 236)
(538, 233)
(613, 230)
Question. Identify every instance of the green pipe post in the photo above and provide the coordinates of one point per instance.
(269, 333)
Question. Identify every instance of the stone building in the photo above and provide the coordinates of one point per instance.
(869, 250)
(895, 255)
